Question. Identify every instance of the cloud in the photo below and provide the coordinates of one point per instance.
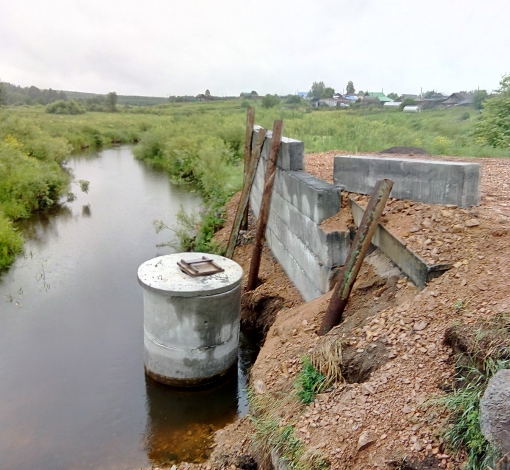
(278, 46)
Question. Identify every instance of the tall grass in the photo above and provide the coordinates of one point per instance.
(463, 404)
(202, 143)
(31, 177)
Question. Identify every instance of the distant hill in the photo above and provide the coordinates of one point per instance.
(16, 95)
(121, 99)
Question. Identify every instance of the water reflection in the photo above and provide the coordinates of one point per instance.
(43, 225)
(180, 423)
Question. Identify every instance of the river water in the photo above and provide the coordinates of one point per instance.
(73, 393)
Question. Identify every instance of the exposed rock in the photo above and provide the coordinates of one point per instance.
(366, 439)
(259, 386)
(495, 411)
(472, 223)
(420, 325)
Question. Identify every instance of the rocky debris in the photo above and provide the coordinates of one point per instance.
(393, 401)
(495, 411)
(366, 439)
(486, 338)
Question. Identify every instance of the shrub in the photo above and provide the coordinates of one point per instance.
(65, 107)
(493, 125)
(11, 242)
(270, 101)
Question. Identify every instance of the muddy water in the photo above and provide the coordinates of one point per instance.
(73, 393)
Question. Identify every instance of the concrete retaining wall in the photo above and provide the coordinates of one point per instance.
(428, 181)
(299, 203)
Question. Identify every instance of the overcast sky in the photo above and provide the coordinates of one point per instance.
(169, 47)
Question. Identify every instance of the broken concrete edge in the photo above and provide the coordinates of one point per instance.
(409, 262)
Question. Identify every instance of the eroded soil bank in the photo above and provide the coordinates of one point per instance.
(396, 340)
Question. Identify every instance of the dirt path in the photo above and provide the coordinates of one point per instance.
(394, 355)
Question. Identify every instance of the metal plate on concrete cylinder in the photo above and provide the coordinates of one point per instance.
(191, 323)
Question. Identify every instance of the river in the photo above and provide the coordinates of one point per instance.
(73, 393)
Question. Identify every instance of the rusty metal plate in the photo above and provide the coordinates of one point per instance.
(199, 267)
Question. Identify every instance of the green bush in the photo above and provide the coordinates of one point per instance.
(493, 125)
(11, 243)
(65, 107)
(270, 101)
(27, 184)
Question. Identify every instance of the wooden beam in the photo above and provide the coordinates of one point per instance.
(265, 205)
(245, 194)
(250, 123)
(359, 248)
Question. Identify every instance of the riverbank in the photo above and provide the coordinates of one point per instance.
(396, 351)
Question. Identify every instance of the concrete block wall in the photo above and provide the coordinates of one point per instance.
(432, 182)
(299, 203)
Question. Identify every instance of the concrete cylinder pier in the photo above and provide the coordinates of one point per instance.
(191, 323)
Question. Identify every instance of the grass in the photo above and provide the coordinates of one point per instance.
(273, 437)
(309, 382)
(200, 143)
(463, 432)
(326, 357)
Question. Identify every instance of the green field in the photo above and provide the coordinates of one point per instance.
(200, 142)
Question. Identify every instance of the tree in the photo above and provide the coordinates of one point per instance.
(111, 101)
(493, 126)
(393, 96)
(2, 94)
(293, 99)
(65, 107)
(207, 94)
(350, 88)
(479, 96)
(328, 92)
(317, 90)
(407, 102)
(270, 101)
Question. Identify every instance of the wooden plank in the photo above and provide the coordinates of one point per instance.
(410, 263)
(250, 123)
(265, 205)
(245, 194)
(359, 248)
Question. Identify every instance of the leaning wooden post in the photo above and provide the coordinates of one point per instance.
(359, 249)
(250, 123)
(264, 205)
(245, 194)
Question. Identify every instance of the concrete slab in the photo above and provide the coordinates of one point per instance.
(429, 181)
(409, 263)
